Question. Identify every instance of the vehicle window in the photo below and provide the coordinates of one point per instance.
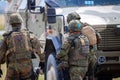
(70, 3)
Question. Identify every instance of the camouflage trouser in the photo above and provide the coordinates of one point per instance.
(77, 73)
(19, 71)
(91, 60)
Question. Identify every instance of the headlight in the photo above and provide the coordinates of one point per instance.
(118, 26)
(117, 30)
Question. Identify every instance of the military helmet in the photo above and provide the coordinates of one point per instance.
(73, 16)
(15, 18)
(74, 25)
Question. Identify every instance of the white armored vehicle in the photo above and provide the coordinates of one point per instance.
(47, 19)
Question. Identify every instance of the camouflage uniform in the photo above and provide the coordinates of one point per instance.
(19, 64)
(71, 54)
(92, 56)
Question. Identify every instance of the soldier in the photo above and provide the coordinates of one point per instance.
(1, 73)
(74, 52)
(17, 49)
(94, 38)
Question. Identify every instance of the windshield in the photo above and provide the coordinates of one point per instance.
(70, 3)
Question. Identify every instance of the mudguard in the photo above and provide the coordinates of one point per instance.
(56, 42)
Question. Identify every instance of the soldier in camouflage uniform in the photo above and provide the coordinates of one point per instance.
(92, 56)
(72, 54)
(18, 55)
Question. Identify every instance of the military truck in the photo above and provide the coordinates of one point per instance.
(47, 20)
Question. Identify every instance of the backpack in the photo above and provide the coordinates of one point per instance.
(90, 33)
(19, 42)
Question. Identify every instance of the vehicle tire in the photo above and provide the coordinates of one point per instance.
(51, 71)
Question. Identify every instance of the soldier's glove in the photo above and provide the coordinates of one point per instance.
(1, 73)
(62, 65)
(42, 57)
(61, 54)
(37, 70)
(42, 66)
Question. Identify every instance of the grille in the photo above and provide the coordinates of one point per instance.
(110, 41)
(112, 59)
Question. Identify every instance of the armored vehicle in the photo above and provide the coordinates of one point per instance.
(47, 19)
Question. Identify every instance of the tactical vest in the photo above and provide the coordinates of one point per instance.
(78, 55)
(19, 45)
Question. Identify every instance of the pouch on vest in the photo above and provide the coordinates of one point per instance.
(84, 45)
(20, 42)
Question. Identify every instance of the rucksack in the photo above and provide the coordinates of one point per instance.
(90, 33)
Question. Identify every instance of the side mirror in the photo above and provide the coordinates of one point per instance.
(51, 15)
(31, 4)
(33, 8)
